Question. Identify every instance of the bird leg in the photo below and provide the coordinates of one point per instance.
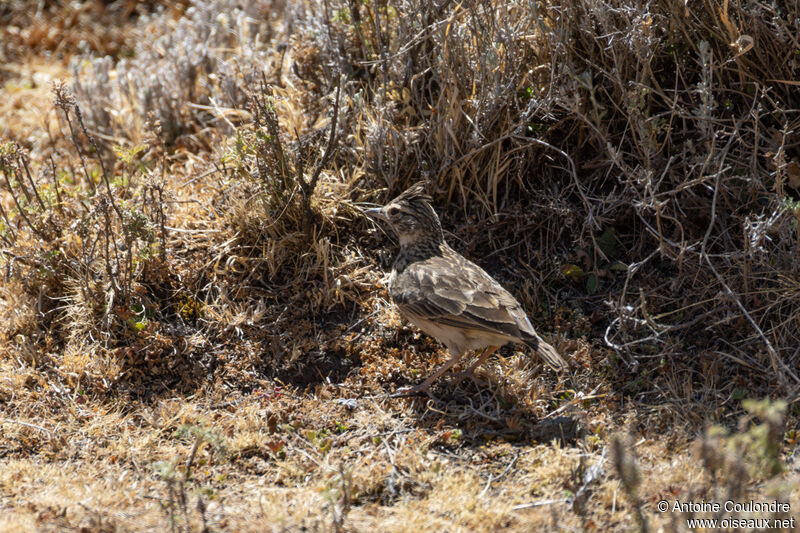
(461, 376)
(426, 385)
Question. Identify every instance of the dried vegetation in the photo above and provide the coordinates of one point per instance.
(196, 333)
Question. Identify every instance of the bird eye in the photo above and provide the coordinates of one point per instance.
(393, 211)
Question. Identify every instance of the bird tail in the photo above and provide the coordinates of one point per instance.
(547, 353)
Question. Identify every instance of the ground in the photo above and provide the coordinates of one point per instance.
(249, 412)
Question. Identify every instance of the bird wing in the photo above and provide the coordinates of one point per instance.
(453, 291)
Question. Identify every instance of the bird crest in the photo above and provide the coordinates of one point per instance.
(417, 192)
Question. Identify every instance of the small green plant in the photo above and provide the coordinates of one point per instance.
(753, 452)
(189, 308)
(138, 321)
(178, 477)
(128, 154)
(320, 439)
(760, 443)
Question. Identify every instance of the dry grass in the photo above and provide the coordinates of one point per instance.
(196, 333)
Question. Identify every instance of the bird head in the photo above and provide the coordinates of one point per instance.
(411, 217)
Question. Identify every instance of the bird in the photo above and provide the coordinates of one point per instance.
(448, 296)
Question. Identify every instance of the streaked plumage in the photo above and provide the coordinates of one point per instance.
(447, 296)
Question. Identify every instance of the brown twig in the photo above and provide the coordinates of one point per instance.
(308, 186)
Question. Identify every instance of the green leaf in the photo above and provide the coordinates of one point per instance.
(739, 393)
(608, 241)
(591, 284)
(618, 266)
(573, 272)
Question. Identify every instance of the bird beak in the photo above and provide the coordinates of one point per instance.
(376, 212)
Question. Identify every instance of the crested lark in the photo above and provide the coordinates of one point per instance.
(447, 296)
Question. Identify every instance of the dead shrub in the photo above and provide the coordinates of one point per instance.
(81, 245)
